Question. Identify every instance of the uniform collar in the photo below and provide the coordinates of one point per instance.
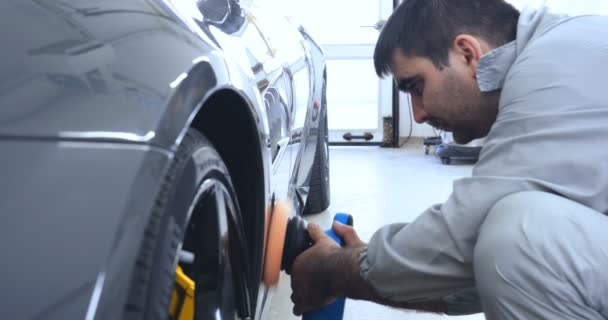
(494, 65)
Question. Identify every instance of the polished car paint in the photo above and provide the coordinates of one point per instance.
(94, 98)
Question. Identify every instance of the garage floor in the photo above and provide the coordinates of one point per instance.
(380, 186)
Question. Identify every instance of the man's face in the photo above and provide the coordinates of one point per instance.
(447, 99)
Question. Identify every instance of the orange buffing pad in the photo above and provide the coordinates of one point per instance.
(276, 242)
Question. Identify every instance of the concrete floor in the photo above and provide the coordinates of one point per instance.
(380, 186)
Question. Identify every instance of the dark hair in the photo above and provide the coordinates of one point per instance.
(427, 28)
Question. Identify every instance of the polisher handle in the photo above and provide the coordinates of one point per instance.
(343, 218)
(335, 310)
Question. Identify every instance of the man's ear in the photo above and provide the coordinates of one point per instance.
(469, 50)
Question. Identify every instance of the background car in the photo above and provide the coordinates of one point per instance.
(136, 134)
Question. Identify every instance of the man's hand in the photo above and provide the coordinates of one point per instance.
(325, 271)
(349, 235)
(318, 275)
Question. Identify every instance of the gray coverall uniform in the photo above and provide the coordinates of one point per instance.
(526, 236)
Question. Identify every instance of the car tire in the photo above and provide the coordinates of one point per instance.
(177, 207)
(319, 194)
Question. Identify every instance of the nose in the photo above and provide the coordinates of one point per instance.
(420, 115)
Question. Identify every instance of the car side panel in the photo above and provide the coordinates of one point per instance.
(107, 71)
(73, 216)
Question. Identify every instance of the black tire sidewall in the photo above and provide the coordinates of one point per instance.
(166, 228)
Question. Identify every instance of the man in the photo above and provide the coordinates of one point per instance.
(525, 236)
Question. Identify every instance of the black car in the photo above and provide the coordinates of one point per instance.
(138, 136)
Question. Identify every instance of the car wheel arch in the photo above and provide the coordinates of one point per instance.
(229, 122)
(207, 100)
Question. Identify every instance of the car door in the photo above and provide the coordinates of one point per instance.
(289, 56)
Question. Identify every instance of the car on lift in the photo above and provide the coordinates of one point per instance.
(141, 136)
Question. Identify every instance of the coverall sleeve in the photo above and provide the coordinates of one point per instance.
(431, 258)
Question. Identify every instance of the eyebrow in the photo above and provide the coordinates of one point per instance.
(406, 83)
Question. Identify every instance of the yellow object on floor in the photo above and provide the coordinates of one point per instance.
(182, 297)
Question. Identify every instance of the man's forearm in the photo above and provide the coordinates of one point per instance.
(348, 282)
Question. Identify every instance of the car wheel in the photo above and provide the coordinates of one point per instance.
(195, 219)
(318, 194)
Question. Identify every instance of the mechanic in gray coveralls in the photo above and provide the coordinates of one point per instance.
(526, 236)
